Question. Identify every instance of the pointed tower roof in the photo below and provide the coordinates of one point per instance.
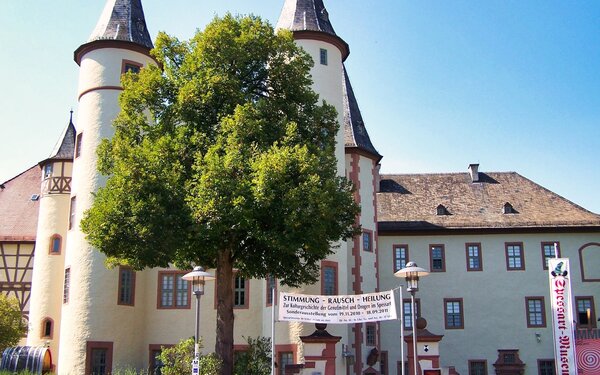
(122, 21)
(308, 19)
(355, 132)
(65, 147)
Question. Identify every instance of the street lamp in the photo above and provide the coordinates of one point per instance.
(198, 277)
(411, 273)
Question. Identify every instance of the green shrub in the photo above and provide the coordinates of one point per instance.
(12, 324)
(256, 360)
(177, 360)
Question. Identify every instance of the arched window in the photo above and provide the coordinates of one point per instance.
(55, 244)
(47, 328)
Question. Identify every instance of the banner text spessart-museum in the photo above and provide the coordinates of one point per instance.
(338, 309)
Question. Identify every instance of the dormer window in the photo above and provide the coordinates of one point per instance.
(509, 209)
(442, 210)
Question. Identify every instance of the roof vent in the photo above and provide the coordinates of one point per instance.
(474, 172)
(35, 197)
(442, 210)
(509, 209)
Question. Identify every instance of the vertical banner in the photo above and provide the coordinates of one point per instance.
(562, 316)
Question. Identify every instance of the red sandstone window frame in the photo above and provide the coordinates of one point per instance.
(447, 322)
(90, 346)
(285, 349)
(544, 256)
(548, 363)
(442, 259)
(152, 349)
(521, 256)
(479, 257)
(398, 259)
(328, 264)
(529, 311)
(173, 306)
(592, 315)
(477, 362)
(51, 248)
(245, 289)
(120, 300)
(407, 322)
(43, 334)
(126, 64)
(383, 362)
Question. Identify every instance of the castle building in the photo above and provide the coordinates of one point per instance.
(485, 237)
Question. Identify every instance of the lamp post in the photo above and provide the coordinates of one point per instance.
(411, 273)
(198, 277)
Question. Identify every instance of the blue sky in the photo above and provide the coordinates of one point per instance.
(512, 85)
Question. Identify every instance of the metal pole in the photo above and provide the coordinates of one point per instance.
(273, 330)
(196, 345)
(414, 328)
(402, 330)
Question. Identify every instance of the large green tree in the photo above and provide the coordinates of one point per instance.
(223, 157)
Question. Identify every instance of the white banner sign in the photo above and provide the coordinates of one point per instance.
(342, 309)
(562, 316)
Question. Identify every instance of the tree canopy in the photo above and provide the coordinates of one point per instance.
(223, 156)
(12, 325)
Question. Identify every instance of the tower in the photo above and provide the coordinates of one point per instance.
(119, 43)
(45, 303)
(355, 263)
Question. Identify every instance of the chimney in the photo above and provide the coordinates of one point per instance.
(474, 172)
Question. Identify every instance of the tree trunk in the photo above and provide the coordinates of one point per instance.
(224, 343)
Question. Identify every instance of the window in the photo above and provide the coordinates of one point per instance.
(367, 241)
(586, 316)
(536, 312)
(453, 313)
(173, 291)
(72, 212)
(323, 56)
(509, 209)
(514, 256)
(47, 328)
(407, 311)
(441, 210)
(548, 252)
(437, 260)
(78, 145)
(285, 358)
(474, 262)
(67, 285)
(55, 244)
(328, 278)
(400, 257)
(154, 360)
(271, 286)
(240, 292)
(130, 66)
(98, 358)
(546, 367)
(371, 334)
(477, 367)
(48, 170)
(126, 286)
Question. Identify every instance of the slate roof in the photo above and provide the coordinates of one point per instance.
(18, 211)
(65, 147)
(355, 132)
(409, 202)
(307, 17)
(304, 15)
(123, 20)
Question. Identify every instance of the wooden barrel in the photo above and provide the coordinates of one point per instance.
(35, 359)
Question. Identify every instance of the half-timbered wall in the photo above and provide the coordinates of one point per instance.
(16, 268)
